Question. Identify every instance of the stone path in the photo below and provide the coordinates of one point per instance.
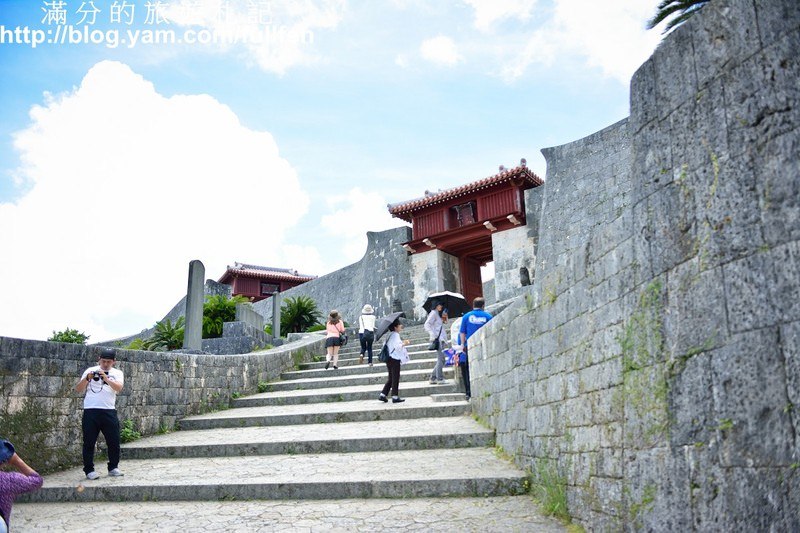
(317, 452)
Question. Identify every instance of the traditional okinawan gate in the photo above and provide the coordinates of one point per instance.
(453, 230)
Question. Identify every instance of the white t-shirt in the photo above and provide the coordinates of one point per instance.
(366, 322)
(98, 394)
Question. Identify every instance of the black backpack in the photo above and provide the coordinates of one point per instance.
(384, 355)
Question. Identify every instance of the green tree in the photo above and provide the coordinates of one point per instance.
(298, 314)
(217, 310)
(167, 336)
(683, 9)
(69, 335)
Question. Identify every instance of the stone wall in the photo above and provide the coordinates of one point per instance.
(654, 364)
(41, 412)
(379, 279)
(432, 271)
(512, 249)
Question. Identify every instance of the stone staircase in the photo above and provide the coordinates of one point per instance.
(316, 434)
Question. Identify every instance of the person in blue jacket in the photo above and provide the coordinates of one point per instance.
(470, 323)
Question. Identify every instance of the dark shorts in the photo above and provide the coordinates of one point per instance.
(332, 341)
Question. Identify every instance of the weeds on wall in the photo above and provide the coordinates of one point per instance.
(550, 489)
(27, 429)
(128, 433)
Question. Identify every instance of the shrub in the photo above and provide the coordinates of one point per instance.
(69, 335)
(298, 314)
(128, 433)
(217, 310)
(167, 336)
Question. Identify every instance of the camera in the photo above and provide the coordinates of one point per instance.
(96, 375)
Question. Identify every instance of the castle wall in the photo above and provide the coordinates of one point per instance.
(654, 363)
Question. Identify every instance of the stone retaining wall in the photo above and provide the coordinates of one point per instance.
(380, 278)
(654, 366)
(41, 412)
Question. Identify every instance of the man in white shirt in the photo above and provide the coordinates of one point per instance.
(101, 384)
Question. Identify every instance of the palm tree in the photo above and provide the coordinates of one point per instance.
(298, 314)
(667, 8)
(167, 336)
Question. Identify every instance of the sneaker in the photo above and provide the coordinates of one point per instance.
(432, 382)
(467, 398)
(442, 382)
(115, 473)
(383, 398)
(335, 367)
(327, 365)
(370, 364)
(398, 400)
(361, 360)
(92, 475)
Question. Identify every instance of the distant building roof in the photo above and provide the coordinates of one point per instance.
(257, 271)
(522, 173)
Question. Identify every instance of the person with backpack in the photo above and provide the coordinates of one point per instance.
(470, 323)
(395, 350)
(434, 325)
(334, 331)
(366, 332)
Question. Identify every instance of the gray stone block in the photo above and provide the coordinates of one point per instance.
(776, 18)
(778, 183)
(726, 32)
(790, 341)
(675, 74)
(748, 291)
(750, 401)
(691, 403)
(695, 318)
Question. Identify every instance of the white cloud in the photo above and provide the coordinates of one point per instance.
(274, 34)
(128, 186)
(608, 35)
(487, 12)
(401, 60)
(440, 50)
(351, 216)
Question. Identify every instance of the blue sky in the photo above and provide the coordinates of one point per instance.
(120, 165)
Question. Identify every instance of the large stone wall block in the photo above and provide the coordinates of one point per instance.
(726, 33)
(674, 226)
(786, 289)
(643, 101)
(691, 403)
(778, 182)
(699, 131)
(644, 396)
(762, 98)
(790, 341)
(675, 73)
(657, 491)
(749, 292)
(776, 18)
(749, 388)
(652, 159)
(695, 318)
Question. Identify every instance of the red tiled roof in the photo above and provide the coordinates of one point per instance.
(520, 172)
(255, 271)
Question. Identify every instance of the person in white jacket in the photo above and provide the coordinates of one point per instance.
(366, 332)
(434, 325)
(397, 354)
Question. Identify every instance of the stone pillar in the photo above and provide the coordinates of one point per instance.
(512, 250)
(193, 334)
(433, 271)
(276, 315)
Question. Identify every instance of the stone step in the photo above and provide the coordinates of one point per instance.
(352, 370)
(384, 474)
(326, 413)
(411, 389)
(381, 435)
(334, 379)
(440, 515)
(416, 346)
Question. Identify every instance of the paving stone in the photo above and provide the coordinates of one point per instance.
(494, 514)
